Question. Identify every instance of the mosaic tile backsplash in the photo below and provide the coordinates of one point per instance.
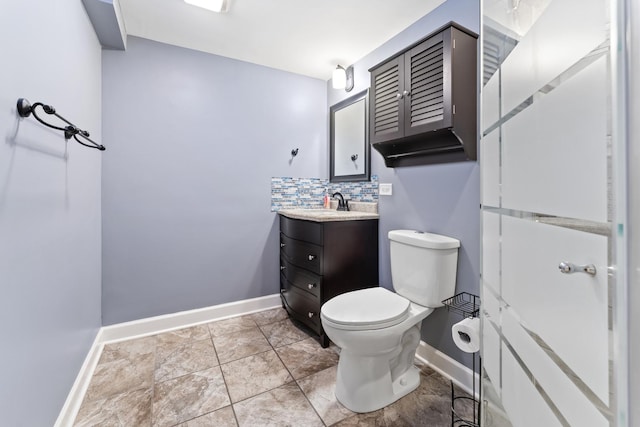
(290, 193)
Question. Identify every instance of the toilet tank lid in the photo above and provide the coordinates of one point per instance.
(423, 240)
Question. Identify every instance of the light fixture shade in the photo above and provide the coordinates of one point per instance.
(213, 5)
(339, 79)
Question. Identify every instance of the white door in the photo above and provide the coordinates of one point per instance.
(548, 217)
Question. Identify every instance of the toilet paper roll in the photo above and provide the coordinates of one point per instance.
(466, 334)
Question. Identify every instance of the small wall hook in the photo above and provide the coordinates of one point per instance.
(354, 157)
(294, 152)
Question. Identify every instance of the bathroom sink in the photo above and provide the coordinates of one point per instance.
(322, 215)
(327, 212)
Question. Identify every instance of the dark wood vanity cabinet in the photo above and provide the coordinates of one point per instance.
(423, 101)
(319, 260)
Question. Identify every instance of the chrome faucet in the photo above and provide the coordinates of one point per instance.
(343, 205)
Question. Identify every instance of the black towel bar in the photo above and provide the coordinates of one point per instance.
(70, 131)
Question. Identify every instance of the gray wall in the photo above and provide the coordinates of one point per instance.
(49, 208)
(443, 198)
(193, 142)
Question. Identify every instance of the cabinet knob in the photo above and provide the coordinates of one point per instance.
(312, 257)
(311, 285)
(282, 267)
(311, 314)
(282, 245)
(406, 93)
(569, 268)
(399, 95)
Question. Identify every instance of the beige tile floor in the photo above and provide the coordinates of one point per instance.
(256, 370)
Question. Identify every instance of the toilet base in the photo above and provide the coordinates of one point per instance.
(379, 390)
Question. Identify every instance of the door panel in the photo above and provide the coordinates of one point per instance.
(571, 403)
(491, 345)
(386, 112)
(565, 32)
(555, 161)
(425, 72)
(491, 245)
(568, 311)
(490, 154)
(551, 159)
(522, 400)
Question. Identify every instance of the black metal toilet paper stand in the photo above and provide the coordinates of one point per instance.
(468, 305)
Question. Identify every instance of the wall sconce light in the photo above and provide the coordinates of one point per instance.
(219, 6)
(343, 79)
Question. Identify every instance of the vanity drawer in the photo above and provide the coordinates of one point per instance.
(308, 231)
(302, 254)
(299, 303)
(300, 277)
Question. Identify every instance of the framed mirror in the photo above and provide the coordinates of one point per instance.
(350, 151)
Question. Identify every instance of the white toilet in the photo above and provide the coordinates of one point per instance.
(378, 331)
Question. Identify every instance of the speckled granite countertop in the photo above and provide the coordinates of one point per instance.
(359, 211)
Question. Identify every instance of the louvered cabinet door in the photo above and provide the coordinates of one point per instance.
(386, 101)
(427, 79)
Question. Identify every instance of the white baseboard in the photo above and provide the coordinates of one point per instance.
(448, 367)
(152, 326)
(183, 319)
(74, 399)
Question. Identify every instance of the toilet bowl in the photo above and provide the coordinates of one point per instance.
(378, 330)
(377, 350)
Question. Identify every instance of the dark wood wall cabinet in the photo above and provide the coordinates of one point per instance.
(423, 101)
(319, 260)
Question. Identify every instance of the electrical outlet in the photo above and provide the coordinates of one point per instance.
(386, 189)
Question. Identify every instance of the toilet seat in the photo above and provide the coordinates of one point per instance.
(371, 308)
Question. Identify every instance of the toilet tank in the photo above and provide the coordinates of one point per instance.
(423, 266)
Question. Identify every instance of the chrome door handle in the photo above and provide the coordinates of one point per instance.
(569, 268)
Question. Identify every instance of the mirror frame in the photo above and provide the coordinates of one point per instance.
(366, 175)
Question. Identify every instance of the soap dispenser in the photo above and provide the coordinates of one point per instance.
(327, 202)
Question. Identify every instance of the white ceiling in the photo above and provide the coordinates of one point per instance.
(301, 36)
